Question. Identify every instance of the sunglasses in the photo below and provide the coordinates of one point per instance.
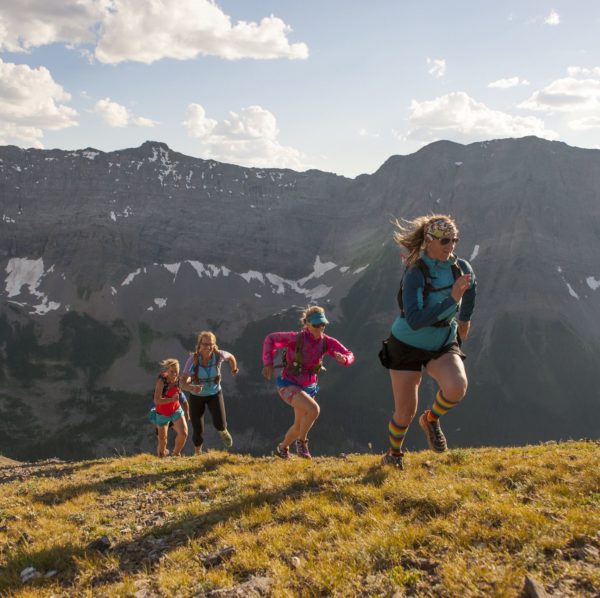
(446, 240)
(318, 325)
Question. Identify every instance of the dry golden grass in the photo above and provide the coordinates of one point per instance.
(467, 523)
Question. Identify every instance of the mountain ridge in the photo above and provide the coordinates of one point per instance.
(139, 254)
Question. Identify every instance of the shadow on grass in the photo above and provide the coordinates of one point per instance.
(168, 480)
(146, 550)
(59, 558)
(376, 475)
(25, 471)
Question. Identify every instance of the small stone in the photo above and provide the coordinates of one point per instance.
(102, 544)
(533, 589)
(51, 573)
(359, 508)
(295, 562)
(29, 573)
(216, 558)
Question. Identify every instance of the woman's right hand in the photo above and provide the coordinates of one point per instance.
(461, 284)
(267, 372)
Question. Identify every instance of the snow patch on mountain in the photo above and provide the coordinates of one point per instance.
(253, 275)
(21, 272)
(592, 283)
(131, 276)
(319, 268)
(27, 272)
(173, 269)
(569, 287)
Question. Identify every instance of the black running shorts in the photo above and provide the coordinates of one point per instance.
(397, 355)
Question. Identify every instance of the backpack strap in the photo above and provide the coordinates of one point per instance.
(428, 287)
(166, 384)
(196, 369)
(296, 366)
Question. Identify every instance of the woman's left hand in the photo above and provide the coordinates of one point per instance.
(235, 371)
(340, 358)
(463, 329)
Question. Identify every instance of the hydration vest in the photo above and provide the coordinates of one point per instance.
(196, 368)
(296, 366)
(428, 288)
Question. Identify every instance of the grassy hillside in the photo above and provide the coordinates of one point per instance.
(472, 522)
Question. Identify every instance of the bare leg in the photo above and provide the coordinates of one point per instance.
(449, 372)
(162, 440)
(405, 387)
(306, 412)
(180, 427)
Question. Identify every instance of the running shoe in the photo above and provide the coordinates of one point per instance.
(226, 438)
(433, 432)
(283, 452)
(396, 461)
(197, 450)
(302, 449)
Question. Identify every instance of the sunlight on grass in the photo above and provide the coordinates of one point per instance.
(468, 523)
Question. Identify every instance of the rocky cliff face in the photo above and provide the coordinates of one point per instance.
(112, 261)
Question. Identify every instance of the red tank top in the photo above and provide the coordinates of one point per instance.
(167, 409)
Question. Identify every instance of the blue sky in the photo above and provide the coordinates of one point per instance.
(338, 85)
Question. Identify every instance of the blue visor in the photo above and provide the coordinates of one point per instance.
(317, 317)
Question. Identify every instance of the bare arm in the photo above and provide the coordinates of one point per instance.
(158, 396)
(233, 364)
(463, 329)
(185, 384)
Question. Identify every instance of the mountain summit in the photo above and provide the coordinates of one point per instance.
(115, 260)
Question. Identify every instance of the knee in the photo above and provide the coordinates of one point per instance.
(456, 391)
(403, 417)
(314, 410)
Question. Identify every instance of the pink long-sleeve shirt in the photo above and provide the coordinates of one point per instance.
(312, 349)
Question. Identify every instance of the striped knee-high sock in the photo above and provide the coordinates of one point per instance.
(440, 406)
(396, 436)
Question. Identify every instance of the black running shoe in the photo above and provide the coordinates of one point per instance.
(433, 432)
(392, 460)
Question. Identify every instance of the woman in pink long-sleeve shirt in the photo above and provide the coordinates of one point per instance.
(297, 384)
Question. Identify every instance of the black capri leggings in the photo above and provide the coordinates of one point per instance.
(216, 406)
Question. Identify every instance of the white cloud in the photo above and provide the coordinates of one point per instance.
(116, 115)
(29, 23)
(581, 71)
(508, 83)
(566, 95)
(581, 124)
(31, 101)
(553, 18)
(248, 138)
(145, 32)
(458, 116)
(438, 67)
(366, 133)
(577, 97)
